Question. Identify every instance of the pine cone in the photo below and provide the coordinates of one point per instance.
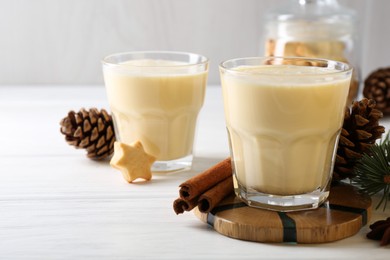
(90, 129)
(360, 131)
(377, 87)
(380, 230)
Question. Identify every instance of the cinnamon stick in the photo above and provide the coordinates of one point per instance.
(180, 205)
(213, 196)
(198, 184)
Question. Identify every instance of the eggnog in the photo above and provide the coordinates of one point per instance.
(283, 123)
(156, 102)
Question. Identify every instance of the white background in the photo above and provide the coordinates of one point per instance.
(63, 41)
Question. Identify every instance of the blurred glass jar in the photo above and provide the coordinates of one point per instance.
(314, 28)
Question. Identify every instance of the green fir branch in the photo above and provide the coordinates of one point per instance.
(373, 171)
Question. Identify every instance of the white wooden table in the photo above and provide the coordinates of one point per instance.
(57, 204)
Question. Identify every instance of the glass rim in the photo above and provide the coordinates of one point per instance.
(203, 59)
(345, 67)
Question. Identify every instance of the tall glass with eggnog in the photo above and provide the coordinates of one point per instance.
(283, 117)
(155, 98)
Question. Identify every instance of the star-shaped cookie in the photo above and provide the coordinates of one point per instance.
(132, 161)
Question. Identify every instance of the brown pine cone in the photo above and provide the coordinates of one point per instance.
(360, 131)
(377, 87)
(380, 230)
(92, 130)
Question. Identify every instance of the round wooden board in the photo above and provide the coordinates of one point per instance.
(341, 216)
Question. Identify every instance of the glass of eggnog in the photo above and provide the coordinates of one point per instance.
(155, 98)
(283, 117)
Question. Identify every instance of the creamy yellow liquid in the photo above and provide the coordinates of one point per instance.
(156, 102)
(283, 129)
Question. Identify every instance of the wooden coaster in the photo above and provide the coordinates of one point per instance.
(341, 216)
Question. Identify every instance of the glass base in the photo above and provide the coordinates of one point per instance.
(281, 203)
(180, 164)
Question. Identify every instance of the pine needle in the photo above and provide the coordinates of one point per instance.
(372, 169)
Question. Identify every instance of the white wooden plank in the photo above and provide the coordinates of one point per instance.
(56, 204)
